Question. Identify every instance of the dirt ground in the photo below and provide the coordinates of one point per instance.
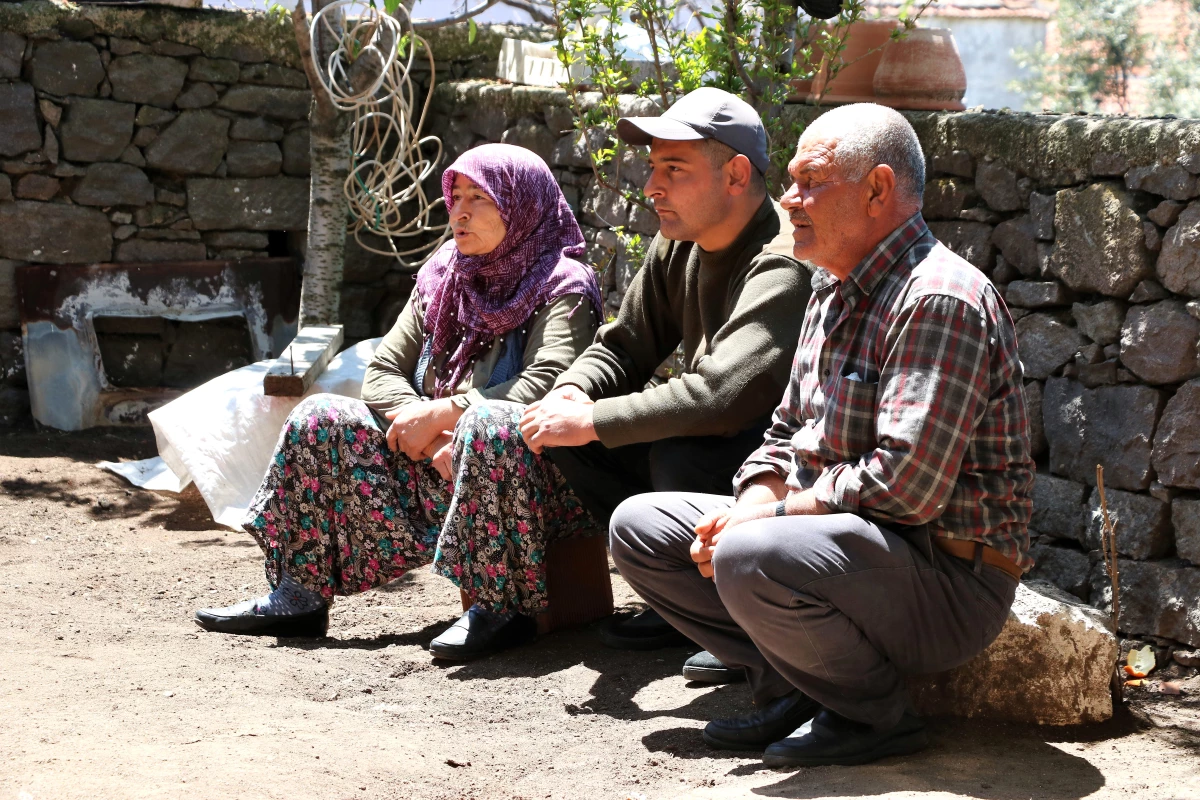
(107, 688)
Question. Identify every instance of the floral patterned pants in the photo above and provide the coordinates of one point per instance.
(342, 513)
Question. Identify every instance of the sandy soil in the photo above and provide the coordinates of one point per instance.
(107, 688)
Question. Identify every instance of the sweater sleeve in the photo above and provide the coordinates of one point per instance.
(557, 335)
(740, 378)
(386, 385)
(628, 349)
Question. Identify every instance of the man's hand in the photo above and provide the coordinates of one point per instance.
(562, 418)
(442, 452)
(415, 426)
(710, 527)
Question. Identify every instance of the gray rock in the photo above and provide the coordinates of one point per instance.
(957, 162)
(269, 101)
(5, 187)
(198, 95)
(66, 68)
(1051, 665)
(214, 70)
(1108, 165)
(1033, 410)
(1185, 518)
(149, 115)
(1068, 568)
(1179, 262)
(175, 49)
(945, 198)
(1177, 440)
(362, 265)
(1142, 523)
(490, 123)
(114, 185)
(273, 75)
(241, 240)
(1153, 237)
(605, 208)
(193, 144)
(532, 135)
(146, 79)
(133, 155)
(158, 216)
(1015, 239)
(559, 121)
(1166, 213)
(253, 159)
(19, 130)
(124, 47)
(256, 129)
(1111, 425)
(997, 185)
(1188, 658)
(259, 204)
(642, 220)
(14, 406)
(1101, 322)
(1041, 211)
(53, 233)
(51, 112)
(36, 187)
(12, 51)
(123, 232)
(1104, 373)
(1045, 342)
(1037, 294)
(1058, 507)
(1100, 246)
(572, 149)
(1149, 291)
(1158, 342)
(146, 250)
(9, 315)
(1157, 599)
(296, 152)
(1090, 354)
(12, 350)
(970, 240)
(1173, 182)
(96, 130)
(144, 136)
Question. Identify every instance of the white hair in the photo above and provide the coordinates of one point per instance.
(869, 135)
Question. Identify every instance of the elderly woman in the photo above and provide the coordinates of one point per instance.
(352, 502)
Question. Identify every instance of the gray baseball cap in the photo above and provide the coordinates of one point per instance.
(705, 113)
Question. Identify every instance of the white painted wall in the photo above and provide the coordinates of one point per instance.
(986, 47)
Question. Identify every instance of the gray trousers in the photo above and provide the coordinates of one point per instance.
(833, 605)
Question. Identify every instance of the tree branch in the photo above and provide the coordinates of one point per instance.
(731, 33)
(532, 9)
(441, 22)
(325, 110)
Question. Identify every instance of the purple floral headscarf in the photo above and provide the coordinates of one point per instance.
(467, 301)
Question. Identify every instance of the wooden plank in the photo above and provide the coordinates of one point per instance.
(303, 361)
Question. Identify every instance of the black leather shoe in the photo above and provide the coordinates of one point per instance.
(478, 634)
(704, 667)
(245, 620)
(832, 739)
(771, 723)
(645, 630)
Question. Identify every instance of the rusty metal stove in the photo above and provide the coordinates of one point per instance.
(68, 386)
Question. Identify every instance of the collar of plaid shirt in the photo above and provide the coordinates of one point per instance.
(870, 271)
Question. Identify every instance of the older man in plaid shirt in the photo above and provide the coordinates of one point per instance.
(880, 530)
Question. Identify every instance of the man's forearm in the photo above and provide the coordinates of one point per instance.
(764, 489)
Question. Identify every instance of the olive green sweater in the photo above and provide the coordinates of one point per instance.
(738, 313)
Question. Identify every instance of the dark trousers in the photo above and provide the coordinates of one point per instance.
(833, 605)
(603, 477)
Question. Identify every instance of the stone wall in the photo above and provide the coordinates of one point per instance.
(148, 133)
(1090, 227)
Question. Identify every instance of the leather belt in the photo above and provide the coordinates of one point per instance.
(966, 550)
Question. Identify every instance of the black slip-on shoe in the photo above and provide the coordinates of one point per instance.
(756, 730)
(645, 630)
(704, 667)
(831, 739)
(244, 619)
(477, 634)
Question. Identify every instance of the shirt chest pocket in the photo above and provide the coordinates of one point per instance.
(848, 426)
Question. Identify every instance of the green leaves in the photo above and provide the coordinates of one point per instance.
(390, 6)
(472, 30)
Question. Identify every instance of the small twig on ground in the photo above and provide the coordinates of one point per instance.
(1108, 548)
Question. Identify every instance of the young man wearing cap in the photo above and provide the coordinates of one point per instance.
(880, 530)
(719, 278)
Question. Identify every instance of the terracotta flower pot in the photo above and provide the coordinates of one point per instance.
(922, 71)
(853, 83)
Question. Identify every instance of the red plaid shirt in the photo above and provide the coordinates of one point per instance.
(905, 402)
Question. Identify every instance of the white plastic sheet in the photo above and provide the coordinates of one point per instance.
(221, 435)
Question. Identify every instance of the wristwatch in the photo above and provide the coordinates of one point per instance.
(781, 508)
